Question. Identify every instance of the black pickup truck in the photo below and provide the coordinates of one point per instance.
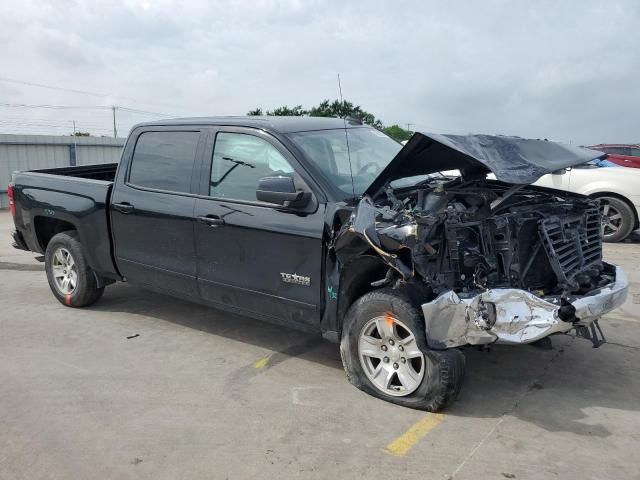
(332, 227)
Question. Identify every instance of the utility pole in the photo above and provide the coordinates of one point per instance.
(409, 127)
(73, 148)
(115, 131)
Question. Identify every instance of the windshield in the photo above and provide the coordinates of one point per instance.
(370, 152)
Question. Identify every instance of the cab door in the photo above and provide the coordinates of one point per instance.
(254, 257)
(152, 209)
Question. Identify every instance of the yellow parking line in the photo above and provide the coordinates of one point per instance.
(263, 362)
(405, 442)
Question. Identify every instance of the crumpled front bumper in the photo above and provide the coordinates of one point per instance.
(512, 316)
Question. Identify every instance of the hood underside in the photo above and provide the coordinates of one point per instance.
(510, 159)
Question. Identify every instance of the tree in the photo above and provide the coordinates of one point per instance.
(81, 134)
(286, 111)
(255, 112)
(344, 109)
(398, 133)
(335, 109)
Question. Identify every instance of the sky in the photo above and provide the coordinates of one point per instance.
(563, 70)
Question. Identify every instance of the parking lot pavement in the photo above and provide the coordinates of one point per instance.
(146, 386)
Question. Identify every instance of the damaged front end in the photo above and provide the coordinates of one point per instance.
(494, 261)
(511, 316)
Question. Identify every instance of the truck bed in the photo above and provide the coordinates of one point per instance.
(106, 171)
(53, 200)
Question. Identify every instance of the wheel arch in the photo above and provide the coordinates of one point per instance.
(355, 281)
(46, 228)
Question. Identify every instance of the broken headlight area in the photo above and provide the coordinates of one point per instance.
(510, 261)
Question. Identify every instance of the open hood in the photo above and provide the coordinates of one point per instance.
(510, 159)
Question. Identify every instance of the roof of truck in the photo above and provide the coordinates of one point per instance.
(275, 124)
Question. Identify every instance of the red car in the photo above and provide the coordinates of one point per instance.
(627, 155)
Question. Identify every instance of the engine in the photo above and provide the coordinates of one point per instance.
(473, 235)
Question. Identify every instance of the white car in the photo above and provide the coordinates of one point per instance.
(618, 189)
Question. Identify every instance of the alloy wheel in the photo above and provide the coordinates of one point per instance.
(390, 356)
(611, 217)
(64, 271)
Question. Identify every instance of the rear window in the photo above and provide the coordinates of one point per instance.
(164, 160)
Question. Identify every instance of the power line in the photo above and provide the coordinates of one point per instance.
(57, 107)
(66, 125)
(85, 92)
(95, 123)
(134, 110)
(82, 107)
(59, 127)
(92, 120)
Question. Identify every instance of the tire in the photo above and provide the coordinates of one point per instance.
(619, 219)
(442, 371)
(65, 260)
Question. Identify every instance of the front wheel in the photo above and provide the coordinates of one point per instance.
(70, 277)
(384, 353)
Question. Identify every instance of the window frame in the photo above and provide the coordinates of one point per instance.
(193, 183)
(207, 166)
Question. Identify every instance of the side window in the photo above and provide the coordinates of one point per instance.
(164, 160)
(239, 161)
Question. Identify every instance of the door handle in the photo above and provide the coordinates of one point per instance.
(212, 220)
(123, 207)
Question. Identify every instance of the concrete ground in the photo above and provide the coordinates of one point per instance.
(146, 386)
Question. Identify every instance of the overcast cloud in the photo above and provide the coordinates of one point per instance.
(560, 70)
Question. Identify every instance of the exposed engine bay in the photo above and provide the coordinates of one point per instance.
(475, 245)
(473, 235)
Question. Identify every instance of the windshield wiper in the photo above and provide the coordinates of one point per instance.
(237, 163)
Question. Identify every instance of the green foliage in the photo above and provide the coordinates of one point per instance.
(398, 133)
(326, 108)
(338, 109)
(81, 134)
(344, 109)
(286, 111)
(256, 112)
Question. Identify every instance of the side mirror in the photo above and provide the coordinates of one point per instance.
(281, 191)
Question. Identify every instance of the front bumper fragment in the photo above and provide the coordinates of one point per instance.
(512, 316)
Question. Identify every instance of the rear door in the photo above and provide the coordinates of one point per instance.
(255, 257)
(152, 209)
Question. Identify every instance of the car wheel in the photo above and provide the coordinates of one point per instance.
(384, 353)
(70, 277)
(618, 219)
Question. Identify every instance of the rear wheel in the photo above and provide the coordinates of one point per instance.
(618, 218)
(70, 277)
(384, 353)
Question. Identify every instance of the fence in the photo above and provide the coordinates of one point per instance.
(32, 152)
